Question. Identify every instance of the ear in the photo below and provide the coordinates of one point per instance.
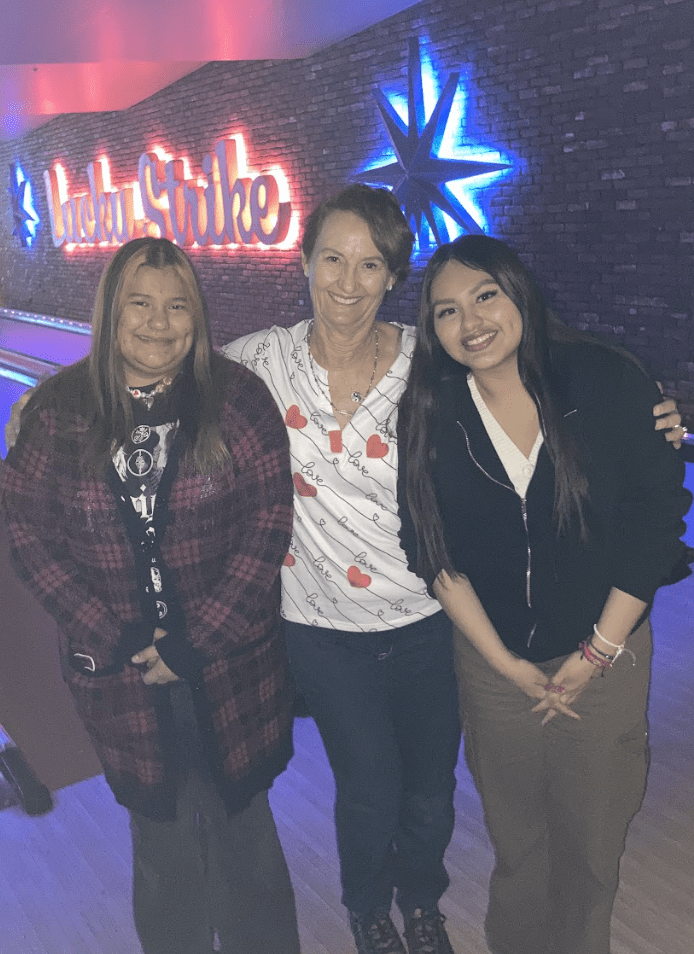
(304, 264)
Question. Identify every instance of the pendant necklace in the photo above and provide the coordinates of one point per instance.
(356, 396)
(147, 397)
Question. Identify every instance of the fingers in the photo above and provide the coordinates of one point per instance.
(556, 707)
(666, 408)
(553, 704)
(667, 421)
(12, 430)
(159, 674)
(153, 676)
(148, 655)
(677, 435)
(12, 426)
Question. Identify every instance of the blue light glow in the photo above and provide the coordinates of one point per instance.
(437, 171)
(11, 375)
(25, 218)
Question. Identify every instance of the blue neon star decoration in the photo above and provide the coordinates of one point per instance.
(419, 177)
(23, 214)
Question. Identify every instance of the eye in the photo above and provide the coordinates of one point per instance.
(331, 258)
(486, 295)
(444, 313)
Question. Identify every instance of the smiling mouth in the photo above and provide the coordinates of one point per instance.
(343, 301)
(480, 341)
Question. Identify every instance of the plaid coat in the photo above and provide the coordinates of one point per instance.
(226, 537)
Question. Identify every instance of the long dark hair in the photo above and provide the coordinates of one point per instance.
(419, 408)
(199, 417)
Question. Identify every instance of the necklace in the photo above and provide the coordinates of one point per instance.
(147, 397)
(356, 396)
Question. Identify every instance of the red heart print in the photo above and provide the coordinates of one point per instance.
(302, 488)
(288, 560)
(357, 578)
(335, 441)
(375, 447)
(294, 417)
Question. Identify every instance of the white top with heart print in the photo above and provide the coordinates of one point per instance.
(345, 568)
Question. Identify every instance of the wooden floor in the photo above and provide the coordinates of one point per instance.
(65, 878)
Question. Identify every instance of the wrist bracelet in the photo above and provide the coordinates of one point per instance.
(592, 658)
(600, 652)
(621, 648)
(606, 641)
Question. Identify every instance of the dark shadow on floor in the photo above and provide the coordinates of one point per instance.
(35, 705)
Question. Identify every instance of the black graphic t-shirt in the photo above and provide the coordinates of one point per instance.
(140, 464)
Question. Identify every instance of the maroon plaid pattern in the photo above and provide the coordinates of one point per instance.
(224, 546)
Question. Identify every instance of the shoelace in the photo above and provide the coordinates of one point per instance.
(380, 935)
(427, 930)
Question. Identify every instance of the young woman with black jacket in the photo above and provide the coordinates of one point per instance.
(544, 526)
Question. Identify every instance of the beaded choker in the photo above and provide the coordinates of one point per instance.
(147, 397)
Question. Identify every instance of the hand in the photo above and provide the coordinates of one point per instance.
(533, 682)
(526, 676)
(573, 676)
(670, 421)
(12, 426)
(158, 673)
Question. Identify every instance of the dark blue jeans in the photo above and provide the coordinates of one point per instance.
(386, 706)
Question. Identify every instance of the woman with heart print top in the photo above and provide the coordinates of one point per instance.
(370, 649)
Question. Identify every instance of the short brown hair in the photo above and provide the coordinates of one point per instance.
(379, 208)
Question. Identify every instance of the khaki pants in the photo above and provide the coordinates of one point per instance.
(557, 799)
(207, 882)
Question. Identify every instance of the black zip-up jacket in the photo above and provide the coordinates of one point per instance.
(544, 591)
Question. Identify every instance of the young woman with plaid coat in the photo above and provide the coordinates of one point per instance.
(149, 506)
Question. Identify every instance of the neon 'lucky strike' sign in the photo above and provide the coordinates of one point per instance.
(229, 206)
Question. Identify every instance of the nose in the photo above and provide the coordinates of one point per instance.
(348, 278)
(470, 319)
(159, 316)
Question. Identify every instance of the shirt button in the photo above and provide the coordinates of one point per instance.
(527, 470)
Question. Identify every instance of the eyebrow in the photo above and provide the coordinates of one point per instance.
(473, 291)
(369, 258)
(137, 294)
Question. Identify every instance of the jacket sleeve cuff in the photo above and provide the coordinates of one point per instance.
(181, 658)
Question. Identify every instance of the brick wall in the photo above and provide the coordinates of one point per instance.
(591, 99)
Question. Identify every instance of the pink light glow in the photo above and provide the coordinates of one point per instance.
(225, 207)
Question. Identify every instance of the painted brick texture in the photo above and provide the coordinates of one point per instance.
(591, 99)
